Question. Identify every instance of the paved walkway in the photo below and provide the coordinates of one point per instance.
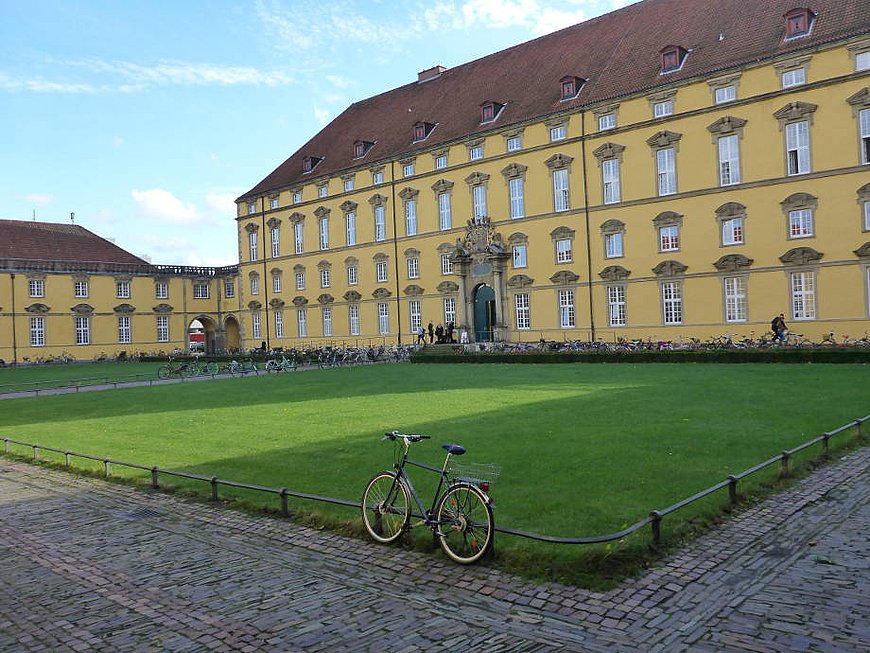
(87, 565)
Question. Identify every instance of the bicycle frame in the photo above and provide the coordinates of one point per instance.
(443, 482)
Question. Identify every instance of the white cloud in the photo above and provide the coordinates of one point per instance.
(322, 116)
(39, 199)
(183, 73)
(222, 203)
(163, 205)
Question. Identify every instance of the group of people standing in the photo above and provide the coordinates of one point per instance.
(438, 334)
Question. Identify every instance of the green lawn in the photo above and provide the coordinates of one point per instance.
(585, 449)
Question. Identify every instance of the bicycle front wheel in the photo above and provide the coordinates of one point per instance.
(163, 372)
(465, 523)
(386, 507)
(211, 368)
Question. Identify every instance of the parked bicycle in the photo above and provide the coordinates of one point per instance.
(243, 367)
(460, 515)
(173, 368)
(282, 364)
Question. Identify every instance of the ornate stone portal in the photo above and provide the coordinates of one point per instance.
(480, 260)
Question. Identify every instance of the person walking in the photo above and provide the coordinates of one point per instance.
(777, 325)
(431, 333)
(421, 335)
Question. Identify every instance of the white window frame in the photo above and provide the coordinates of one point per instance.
(380, 223)
(347, 184)
(514, 144)
(83, 329)
(256, 326)
(797, 148)
(666, 171)
(567, 316)
(801, 223)
(732, 231)
(734, 290)
(413, 267)
(564, 250)
(725, 94)
(445, 213)
(36, 287)
(729, 159)
(255, 284)
(561, 196)
(229, 289)
(297, 197)
(794, 77)
(37, 331)
(273, 202)
(672, 302)
(252, 245)
(616, 313)
(669, 238)
(300, 281)
(381, 272)
(410, 210)
(325, 278)
(522, 311)
(377, 177)
(252, 208)
(520, 256)
(276, 242)
(298, 240)
(558, 133)
(350, 227)
(125, 330)
(449, 306)
(408, 169)
(353, 319)
(323, 228)
(803, 294)
(200, 290)
(326, 318)
(352, 275)
(279, 324)
(475, 153)
(440, 161)
(663, 108)
(866, 206)
(276, 282)
(323, 191)
(864, 135)
(606, 121)
(301, 323)
(614, 245)
(611, 181)
(517, 197)
(162, 324)
(415, 315)
(122, 289)
(383, 318)
(478, 195)
(80, 289)
(446, 264)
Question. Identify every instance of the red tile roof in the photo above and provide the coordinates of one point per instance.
(618, 53)
(44, 241)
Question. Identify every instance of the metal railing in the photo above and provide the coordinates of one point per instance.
(654, 520)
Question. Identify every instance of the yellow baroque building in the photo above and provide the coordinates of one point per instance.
(64, 291)
(668, 170)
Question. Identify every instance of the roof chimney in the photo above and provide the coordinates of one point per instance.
(429, 74)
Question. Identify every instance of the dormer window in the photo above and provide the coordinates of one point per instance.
(310, 162)
(489, 111)
(570, 87)
(798, 22)
(673, 57)
(361, 148)
(422, 130)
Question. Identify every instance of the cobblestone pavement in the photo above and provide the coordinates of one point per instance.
(87, 565)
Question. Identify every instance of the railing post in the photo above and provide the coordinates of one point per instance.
(154, 482)
(35, 452)
(7, 444)
(784, 457)
(732, 489)
(656, 524)
(214, 488)
(285, 509)
(858, 423)
(66, 455)
(106, 466)
(825, 437)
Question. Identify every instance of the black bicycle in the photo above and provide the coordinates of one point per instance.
(461, 512)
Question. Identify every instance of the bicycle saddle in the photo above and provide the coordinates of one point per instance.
(454, 449)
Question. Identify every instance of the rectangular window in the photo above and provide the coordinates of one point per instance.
(613, 245)
(516, 190)
(252, 245)
(326, 312)
(449, 310)
(348, 185)
(800, 223)
(478, 195)
(666, 171)
(255, 325)
(563, 251)
(353, 319)
(276, 283)
(350, 227)
(300, 281)
(162, 328)
(519, 256)
(445, 217)
(662, 109)
(440, 161)
(867, 215)
(380, 223)
(616, 305)
(161, 290)
(672, 302)
(279, 324)
(276, 242)
(794, 77)
(36, 287)
(561, 201)
(324, 233)
(446, 264)
(566, 308)
(383, 318)
(797, 146)
(252, 208)
(322, 191)
(524, 316)
(37, 332)
(381, 271)
(611, 181)
(413, 268)
(297, 238)
(123, 289)
(324, 278)
(255, 284)
(408, 170)
(729, 160)
(124, 336)
(514, 144)
(415, 315)
(81, 289)
(200, 290)
(862, 61)
(607, 121)
(302, 323)
(377, 177)
(273, 202)
(297, 197)
(732, 231)
(725, 94)
(558, 133)
(475, 153)
(352, 275)
(735, 299)
(410, 217)
(803, 295)
(864, 121)
(83, 329)
(229, 289)
(669, 238)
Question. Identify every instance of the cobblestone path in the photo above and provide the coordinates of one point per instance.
(87, 565)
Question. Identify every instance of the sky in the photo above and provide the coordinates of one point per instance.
(147, 118)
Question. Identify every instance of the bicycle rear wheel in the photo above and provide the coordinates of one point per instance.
(465, 523)
(211, 368)
(164, 372)
(386, 507)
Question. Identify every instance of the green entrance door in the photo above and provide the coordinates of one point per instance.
(484, 313)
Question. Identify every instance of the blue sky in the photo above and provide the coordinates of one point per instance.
(148, 118)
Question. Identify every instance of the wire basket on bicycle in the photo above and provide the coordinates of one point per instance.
(480, 474)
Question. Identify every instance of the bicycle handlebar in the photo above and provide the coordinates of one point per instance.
(410, 437)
